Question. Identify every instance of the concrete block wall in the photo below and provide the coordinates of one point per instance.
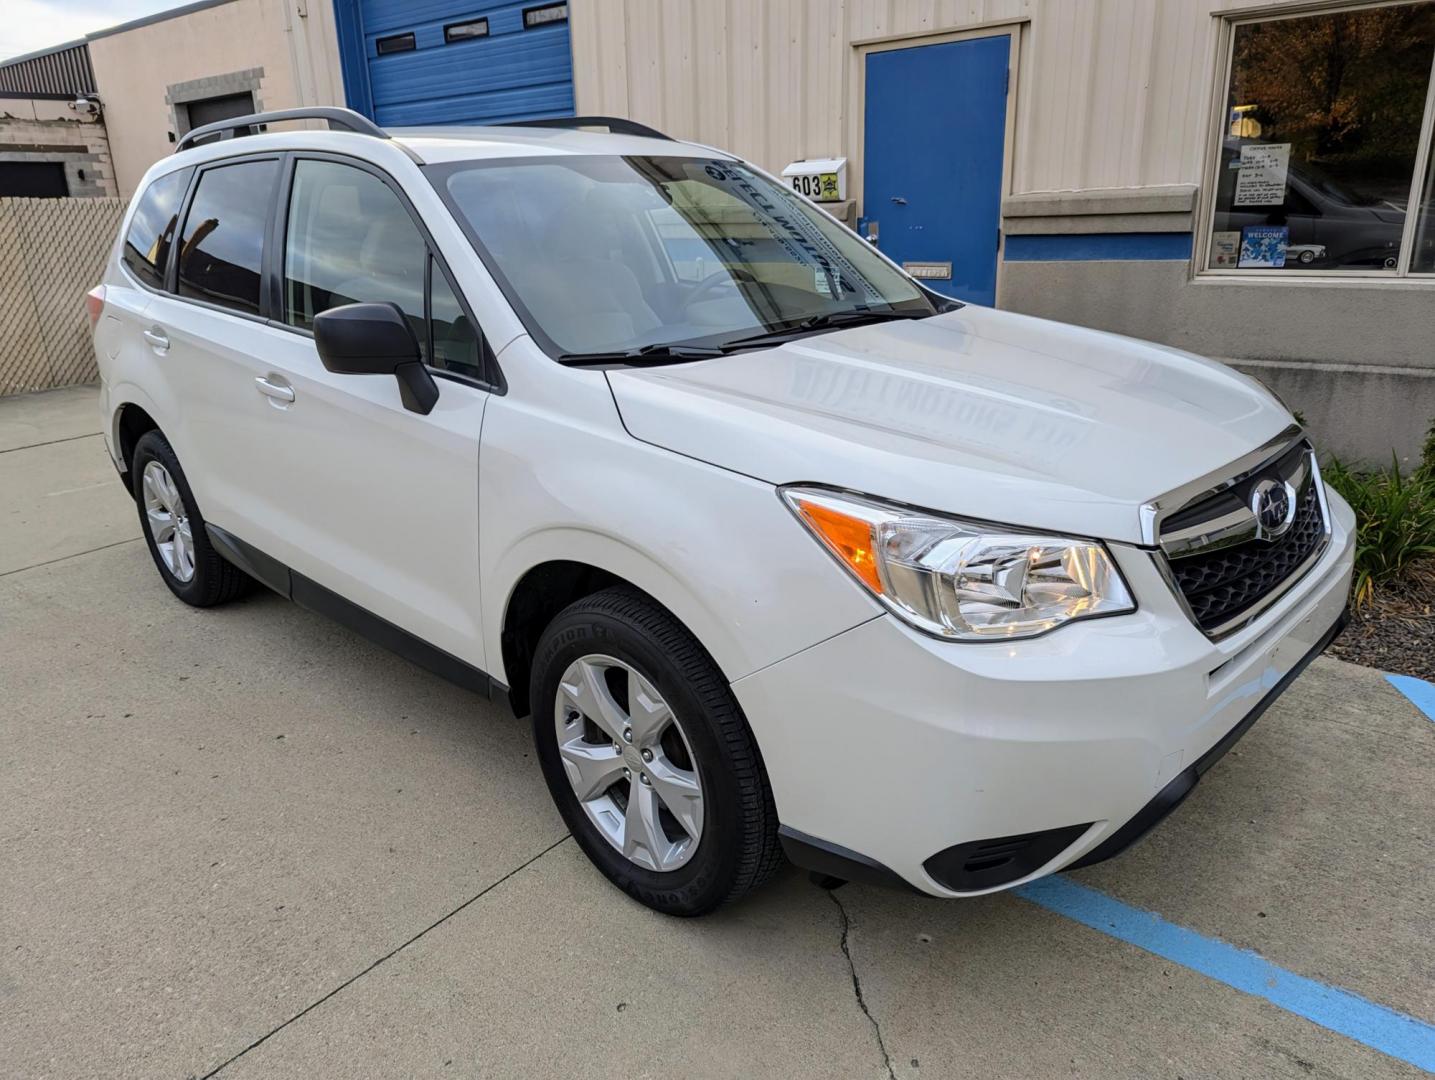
(47, 130)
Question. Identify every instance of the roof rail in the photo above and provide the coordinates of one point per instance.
(343, 119)
(616, 125)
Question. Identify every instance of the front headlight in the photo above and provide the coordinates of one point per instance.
(962, 579)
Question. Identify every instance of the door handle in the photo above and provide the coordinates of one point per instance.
(156, 337)
(274, 390)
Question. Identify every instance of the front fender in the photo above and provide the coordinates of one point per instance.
(718, 550)
(642, 569)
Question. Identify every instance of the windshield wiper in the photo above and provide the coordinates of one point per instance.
(656, 353)
(828, 320)
(662, 353)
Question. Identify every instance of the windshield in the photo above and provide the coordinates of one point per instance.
(615, 254)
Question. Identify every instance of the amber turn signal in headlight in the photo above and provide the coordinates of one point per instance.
(960, 579)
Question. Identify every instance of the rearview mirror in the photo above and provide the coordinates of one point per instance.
(376, 339)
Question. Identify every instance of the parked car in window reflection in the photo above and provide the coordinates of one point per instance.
(1331, 225)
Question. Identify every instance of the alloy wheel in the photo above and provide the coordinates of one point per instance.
(169, 525)
(629, 762)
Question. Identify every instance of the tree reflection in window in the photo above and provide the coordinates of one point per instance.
(222, 247)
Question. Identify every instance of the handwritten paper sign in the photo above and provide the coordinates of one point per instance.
(1261, 180)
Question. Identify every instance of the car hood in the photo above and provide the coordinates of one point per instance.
(978, 412)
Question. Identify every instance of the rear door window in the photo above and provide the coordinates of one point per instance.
(222, 248)
(151, 231)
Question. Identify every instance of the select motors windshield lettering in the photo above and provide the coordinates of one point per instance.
(808, 241)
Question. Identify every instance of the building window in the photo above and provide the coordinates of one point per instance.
(1324, 161)
(395, 43)
(465, 31)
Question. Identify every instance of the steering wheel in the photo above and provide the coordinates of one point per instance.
(716, 280)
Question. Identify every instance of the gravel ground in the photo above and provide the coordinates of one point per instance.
(1395, 630)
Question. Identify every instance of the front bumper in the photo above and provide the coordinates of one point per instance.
(886, 747)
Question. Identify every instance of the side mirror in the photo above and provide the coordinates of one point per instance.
(376, 339)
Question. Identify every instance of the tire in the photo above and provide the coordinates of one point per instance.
(736, 848)
(201, 578)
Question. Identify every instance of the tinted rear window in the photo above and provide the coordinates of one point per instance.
(151, 230)
(223, 244)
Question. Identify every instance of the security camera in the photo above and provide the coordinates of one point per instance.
(86, 106)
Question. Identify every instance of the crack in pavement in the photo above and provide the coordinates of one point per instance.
(51, 442)
(63, 558)
(387, 956)
(857, 987)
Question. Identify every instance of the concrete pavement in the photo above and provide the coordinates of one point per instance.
(245, 841)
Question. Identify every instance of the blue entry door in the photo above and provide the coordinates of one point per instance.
(932, 161)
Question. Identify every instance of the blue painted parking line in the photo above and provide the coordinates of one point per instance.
(1420, 692)
(1390, 1032)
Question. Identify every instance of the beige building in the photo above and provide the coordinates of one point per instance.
(162, 76)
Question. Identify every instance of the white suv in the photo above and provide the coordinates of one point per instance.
(782, 551)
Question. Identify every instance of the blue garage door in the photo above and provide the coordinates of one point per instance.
(412, 62)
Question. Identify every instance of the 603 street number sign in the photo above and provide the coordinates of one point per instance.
(819, 187)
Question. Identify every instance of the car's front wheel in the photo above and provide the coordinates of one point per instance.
(648, 756)
(174, 529)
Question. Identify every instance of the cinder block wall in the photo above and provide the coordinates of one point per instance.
(52, 251)
(43, 130)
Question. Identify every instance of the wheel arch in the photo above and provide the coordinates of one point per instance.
(567, 572)
(137, 404)
(132, 421)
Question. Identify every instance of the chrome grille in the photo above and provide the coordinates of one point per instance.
(1224, 563)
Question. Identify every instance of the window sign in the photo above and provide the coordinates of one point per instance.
(1261, 179)
(1325, 128)
(1225, 249)
(1264, 246)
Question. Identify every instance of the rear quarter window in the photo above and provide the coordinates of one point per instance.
(151, 231)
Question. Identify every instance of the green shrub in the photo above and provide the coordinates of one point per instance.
(1427, 455)
(1394, 516)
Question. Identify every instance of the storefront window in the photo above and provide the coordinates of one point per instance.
(1423, 258)
(1325, 128)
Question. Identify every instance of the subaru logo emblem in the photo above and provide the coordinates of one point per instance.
(1273, 505)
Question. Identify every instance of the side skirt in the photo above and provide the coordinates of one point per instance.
(307, 593)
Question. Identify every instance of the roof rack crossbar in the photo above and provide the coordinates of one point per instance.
(343, 119)
(616, 125)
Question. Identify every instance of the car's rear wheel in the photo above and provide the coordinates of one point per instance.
(648, 756)
(174, 529)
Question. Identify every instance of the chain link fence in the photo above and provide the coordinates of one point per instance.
(52, 252)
